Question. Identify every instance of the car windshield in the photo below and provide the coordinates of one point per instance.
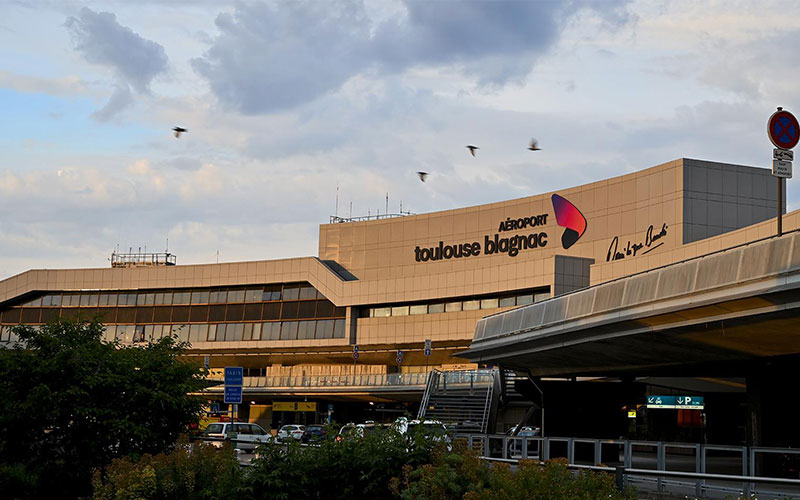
(214, 429)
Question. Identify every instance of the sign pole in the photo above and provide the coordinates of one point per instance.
(780, 206)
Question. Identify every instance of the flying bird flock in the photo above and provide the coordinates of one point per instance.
(534, 146)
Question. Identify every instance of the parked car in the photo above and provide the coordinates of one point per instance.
(291, 431)
(314, 432)
(515, 445)
(245, 436)
(432, 429)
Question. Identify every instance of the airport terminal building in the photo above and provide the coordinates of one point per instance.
(388, 284)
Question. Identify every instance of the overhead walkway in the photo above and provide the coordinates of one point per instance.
(733, 305)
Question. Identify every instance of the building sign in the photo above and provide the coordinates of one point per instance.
(293, 406)
(566, 216)
(650, 242)
(676, 402)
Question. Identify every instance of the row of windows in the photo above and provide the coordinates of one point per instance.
(455, 306)
(220, 332)
(307, 309)
(264, 293)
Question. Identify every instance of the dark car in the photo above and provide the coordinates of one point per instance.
(314, 432)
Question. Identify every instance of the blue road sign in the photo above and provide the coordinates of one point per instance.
(427, 351)
(234, 375)
(676, 402)
(355, 352)
(399, 357)
(233, 394)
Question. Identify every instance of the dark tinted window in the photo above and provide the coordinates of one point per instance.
(216, 313)
(271, 311)
(161, 314)
(289, 310)
(180, 314)
(306, 309)
(252, 312)
(144, 314)
(125, 315)
(234, 312)
(199, 314)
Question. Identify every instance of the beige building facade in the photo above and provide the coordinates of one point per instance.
(389, 284)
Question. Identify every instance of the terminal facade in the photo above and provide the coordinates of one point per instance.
(387, 285)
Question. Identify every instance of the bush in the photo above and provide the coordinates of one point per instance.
(207, 473)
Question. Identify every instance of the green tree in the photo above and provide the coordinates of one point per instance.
(71, 402)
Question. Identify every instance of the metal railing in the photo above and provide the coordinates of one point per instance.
(311, 381)
(678, 468)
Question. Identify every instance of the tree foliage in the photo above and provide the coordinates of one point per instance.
(71, 402)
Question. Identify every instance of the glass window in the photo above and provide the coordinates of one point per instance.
(50, 315)
(30, 315)
(11, 316)
(108, 299)
(162, 314)
(339, 312)
(141, 299)
(305, 330)
(338, 329)
(122, 299)
(254, 294)
(125, 333)
(541, 296)
(324, 309)
(289, 330)
(308, 292)
(125, 315)
(164, 298)
(182, 331)
(198, 314)
(152, 332)
(37, 302)
(306, 308)
(200, 297)
(138, 333)
(272, 292)
(149, 299)
(216, 313)
(524, 299)
(507, 301)
(435, 308)
(324, 329)
(418, 309)
(381, 312)
(181, 297)
(198, 333)
(400, 311)
(472, 305)
(248, 331)
(252, 312)
(212, 333)
(110, 333)
(144, 314)
(271, 331)
(55, 300)
(46, 301)
(234, 312)
(289, 310)
(235, 296)
(271, 311)
(180, 313)
(291, 292)
(452, 307)
(233, 332)
(75, 300)
(489, 303)
(256, 335)
(218, 296)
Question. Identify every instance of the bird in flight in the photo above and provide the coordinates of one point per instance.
(422, 175)
(178, 131)
(472, 149)
(534, 145)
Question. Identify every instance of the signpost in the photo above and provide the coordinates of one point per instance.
(399, 357)
(355, 359)
(234, 378)
(676, 402)
(427, 353)
(784, 132)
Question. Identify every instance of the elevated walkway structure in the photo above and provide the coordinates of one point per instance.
(690, 318)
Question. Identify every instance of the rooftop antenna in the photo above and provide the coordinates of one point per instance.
(217, 256)
(387, 204)
(350, 216)
(166, 250)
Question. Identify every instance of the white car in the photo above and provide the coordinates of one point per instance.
(432, 429)
(292, 431)
(244, 436)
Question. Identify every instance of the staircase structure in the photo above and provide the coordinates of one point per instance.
(464, 400)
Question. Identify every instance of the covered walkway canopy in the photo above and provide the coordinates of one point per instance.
(695, 317)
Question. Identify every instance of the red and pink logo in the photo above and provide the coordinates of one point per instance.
(568, 216)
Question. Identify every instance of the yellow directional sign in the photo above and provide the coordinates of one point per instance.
(293, 406)
(631, 413)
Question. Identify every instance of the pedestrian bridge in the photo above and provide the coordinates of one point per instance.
(700, 315)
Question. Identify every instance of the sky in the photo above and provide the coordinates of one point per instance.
(293, 105)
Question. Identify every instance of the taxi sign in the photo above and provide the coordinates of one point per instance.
(676, 402)
(234, 375)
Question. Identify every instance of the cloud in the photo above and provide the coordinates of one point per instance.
(134, 60)
(65, 86)
(273, 57)
(120, 99)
